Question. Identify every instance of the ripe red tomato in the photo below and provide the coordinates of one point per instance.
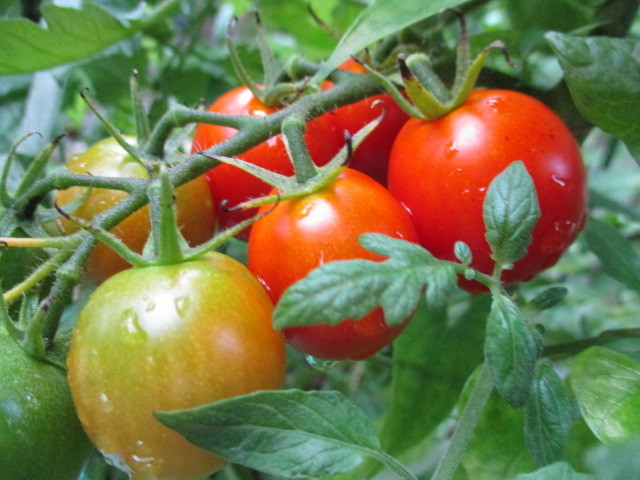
(163, 338)
(233, 186)
(440, 172)
(304, 233)
(372, 156)
(40, 435)
(196, 214)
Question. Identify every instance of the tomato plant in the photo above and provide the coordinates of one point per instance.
(440, 171)
(168, 337)
(231, 186)
(372, 156)
(107, 158)
(40, 435)
(305, 232)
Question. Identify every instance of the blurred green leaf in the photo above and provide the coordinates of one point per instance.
(557, 471)
(616, 253)
(288, 433)
(548, 416)
(606, 385)
(616, 462)
(71, 35)
(432, 360)
(604, 80)
(380, 19)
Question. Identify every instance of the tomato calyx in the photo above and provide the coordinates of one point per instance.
(272, 91)
(429, 97)
(308, 177)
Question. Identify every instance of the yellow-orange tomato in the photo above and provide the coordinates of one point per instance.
(196, 214)
(163, 338)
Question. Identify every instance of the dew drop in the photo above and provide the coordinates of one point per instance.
(182, 305)
(319, 363)
(105, 404)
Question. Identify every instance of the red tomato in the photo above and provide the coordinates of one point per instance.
(440, 172)
(372, 156)
(304, 233)
(230, 184)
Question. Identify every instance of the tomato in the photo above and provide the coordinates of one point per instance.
(301, 234)
(196, 214)
(440, 172)
(40, 435)
(372, 156)
(169, 337)
(231, 186)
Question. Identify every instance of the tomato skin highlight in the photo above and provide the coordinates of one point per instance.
(196, 214)
(163, 338)
(301, 234)
(40, 435)
(440, 171)
(372, 156)
(231, 186)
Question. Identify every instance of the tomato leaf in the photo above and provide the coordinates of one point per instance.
(290, 433)
(353, 288)
(548, 298)
(380, 19)
(510, 213)
(71, 35)
(556, 471)
(604, 80)
(616, 461)
(616, 253)
(548, 416)
(510, 351)
(606, 385)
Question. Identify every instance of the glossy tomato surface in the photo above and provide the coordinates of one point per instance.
(440, 172)
(196, 214)
(163, 338)
(304, 233)
(372, 156)
(40, 435)
(231, 186)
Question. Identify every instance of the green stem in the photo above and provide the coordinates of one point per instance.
(393, 464)
(293, 129)
(469, 418)
(568, 349)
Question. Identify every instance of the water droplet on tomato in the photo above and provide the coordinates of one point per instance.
(182, 305)
(105, 403)
(150, 306)
(560, 181)
(134, 332)
(451, 150)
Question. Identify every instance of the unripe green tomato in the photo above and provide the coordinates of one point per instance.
(40, 435)
(163, 338)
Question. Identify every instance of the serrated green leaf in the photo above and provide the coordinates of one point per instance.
(604, 80)
(382, 18)
(510, 212)
(616, 253)
(353, 288)
(606, 385)
(616, 462)
(557, 471)
(510, 351)
(71, 35)
(548, 416)
(290, 433)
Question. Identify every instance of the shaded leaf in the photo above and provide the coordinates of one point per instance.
(557, 471)
(603, 76)
(616, 462)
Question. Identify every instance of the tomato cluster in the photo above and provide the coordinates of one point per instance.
(179, 335)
